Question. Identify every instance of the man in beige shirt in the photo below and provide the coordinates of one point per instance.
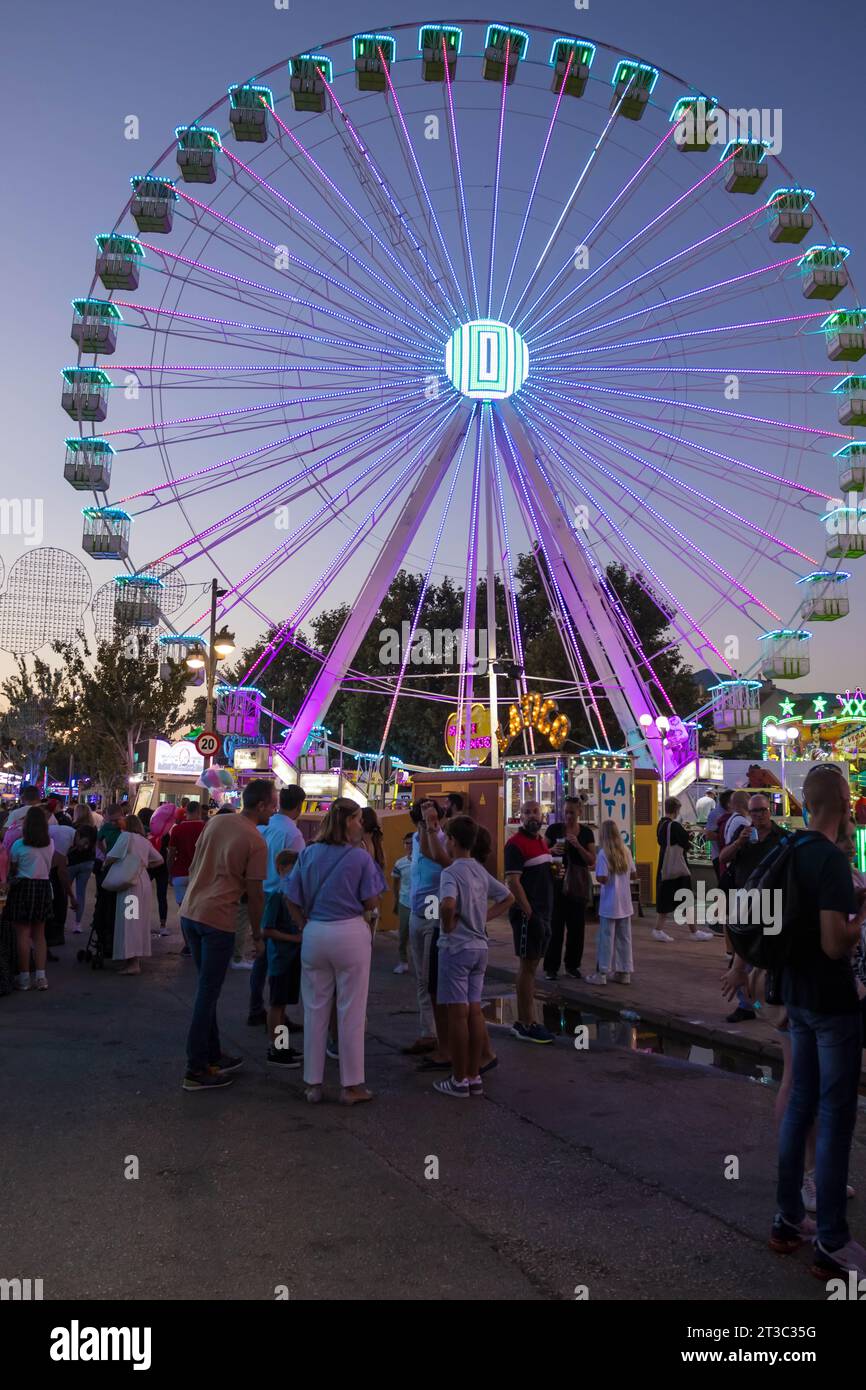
(231, 858)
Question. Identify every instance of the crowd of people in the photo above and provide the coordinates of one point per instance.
(301, 917)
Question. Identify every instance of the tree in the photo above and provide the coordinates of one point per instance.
(31, 695)
(113, 699)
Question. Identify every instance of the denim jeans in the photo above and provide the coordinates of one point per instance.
(826, 1052)
(79, 877)
(211, 950)
(258, 976)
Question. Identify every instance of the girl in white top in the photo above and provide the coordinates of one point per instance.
(614, 869)
(29, 904)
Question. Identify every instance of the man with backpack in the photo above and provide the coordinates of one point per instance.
(809, 952)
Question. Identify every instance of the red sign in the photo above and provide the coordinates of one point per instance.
(208, 744)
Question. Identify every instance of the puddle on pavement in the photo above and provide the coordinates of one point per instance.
(620, 1030)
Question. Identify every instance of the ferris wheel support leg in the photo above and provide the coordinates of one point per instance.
(365, 607)
(589, 608)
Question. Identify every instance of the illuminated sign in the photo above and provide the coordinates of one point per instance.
(480, 740)
(534, 713)
(177, 759)
(711, 770)
(486, 360)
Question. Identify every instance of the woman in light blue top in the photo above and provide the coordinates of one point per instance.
(332, 893)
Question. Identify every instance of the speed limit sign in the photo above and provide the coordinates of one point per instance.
(208, 744)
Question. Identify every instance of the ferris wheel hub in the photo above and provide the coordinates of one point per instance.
(486, 360)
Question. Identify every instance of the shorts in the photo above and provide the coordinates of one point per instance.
(286, 988)
(531, 935)
(461, 974)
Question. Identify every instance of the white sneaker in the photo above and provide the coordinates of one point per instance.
(401, 968)
(658, 935)
(596, 978)
(808, 1193)
(700, 936)
(242, 965)
(22, 981)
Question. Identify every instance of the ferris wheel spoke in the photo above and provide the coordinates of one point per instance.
(425, 585)
(421, 186)
(307, 230)
(754, 474)
(337, 191)
(458, 179)
(647, 509)
(705, 650)
(308, 531)
(713, 240)
(528, 317)
(737, 417)
(269, 187)
(262, 297)
(509, 582)
(648, 227)
(547, 570)
(535, 181)
(735, 284)
(395, 219)
(495, 208)
(468, 644)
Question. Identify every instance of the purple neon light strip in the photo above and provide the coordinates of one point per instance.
(308, 471)
(460, 185)
(677, 299)
(464, 685)
(362, 148)
(538, 173)
(263, 328)
(424, 189)
(281, 198)
(416, 617)
(252, 410)
(251, 453)
(496, 181)
(642, 560)
(322, 367)
(647, 227)
(274, 245)
(703, 409)
(678, 605)
(276, 644)
(652, 154)
(564, 611)
(670, 526)
(653, 428)
(679, 483)
(374, 470)
(293, 299)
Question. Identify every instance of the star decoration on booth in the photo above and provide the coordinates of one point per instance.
(787, 707)
(820, 705)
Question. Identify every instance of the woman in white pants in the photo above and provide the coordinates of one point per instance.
(332, 895)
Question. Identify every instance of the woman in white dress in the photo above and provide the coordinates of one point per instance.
(134, 899)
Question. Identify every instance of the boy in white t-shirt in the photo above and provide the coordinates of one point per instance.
(614, 869)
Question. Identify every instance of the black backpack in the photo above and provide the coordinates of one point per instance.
(777, 873)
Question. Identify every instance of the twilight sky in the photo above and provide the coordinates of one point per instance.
(74, 77)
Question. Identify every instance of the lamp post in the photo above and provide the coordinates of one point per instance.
(782, 736)
(220, 645)
(662, 724)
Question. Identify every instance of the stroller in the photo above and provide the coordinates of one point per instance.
(100, 943)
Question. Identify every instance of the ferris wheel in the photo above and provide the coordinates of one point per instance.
(436, 296)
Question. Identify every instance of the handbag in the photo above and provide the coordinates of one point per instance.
(575, 883)
(674, 863)
(122, 873)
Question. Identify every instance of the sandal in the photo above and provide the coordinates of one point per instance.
(428, 1064)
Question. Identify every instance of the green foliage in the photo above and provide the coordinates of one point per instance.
(113, 698)
(27, 737)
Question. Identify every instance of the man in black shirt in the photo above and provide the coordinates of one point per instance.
(572, 845)
(742, 855)
(820, 996)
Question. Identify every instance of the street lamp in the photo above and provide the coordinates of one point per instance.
(662, 724)
(220, 645)
(782, 736)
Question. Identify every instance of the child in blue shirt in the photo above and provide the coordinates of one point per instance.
(284, 965)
